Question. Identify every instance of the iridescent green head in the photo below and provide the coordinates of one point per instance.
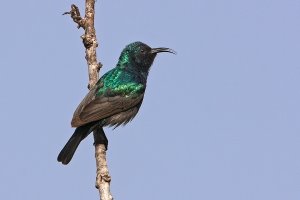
(140, 55)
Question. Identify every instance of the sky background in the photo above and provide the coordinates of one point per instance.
(220, 120)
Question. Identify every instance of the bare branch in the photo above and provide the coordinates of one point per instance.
(90, 43)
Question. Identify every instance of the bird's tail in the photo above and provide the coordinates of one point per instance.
(69, 149)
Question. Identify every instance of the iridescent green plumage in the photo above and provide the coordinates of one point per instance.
(120, 82)
(115, 99)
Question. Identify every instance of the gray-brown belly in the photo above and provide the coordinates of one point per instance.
(122, 117)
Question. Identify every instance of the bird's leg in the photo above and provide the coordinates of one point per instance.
(100, 137)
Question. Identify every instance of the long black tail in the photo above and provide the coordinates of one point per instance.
(69, 149)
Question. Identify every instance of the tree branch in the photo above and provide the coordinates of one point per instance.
(90, 43)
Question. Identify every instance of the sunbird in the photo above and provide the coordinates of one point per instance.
(115, 99)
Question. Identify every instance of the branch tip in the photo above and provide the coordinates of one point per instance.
(75, 15)
(99, 66)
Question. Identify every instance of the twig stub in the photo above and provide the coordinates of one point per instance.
(75, 15)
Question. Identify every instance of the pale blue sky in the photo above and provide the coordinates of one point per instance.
(220, 120)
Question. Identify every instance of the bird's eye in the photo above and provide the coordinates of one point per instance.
(142, 50)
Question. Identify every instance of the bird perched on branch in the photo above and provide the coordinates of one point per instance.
(115, 99)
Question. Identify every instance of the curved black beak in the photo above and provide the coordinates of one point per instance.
(162, 49)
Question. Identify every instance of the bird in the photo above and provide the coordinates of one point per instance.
(115, 99)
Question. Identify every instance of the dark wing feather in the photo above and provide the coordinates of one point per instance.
(96, 108)
(104, 107)
(87, 99)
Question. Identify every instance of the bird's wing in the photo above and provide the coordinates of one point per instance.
(93, 107)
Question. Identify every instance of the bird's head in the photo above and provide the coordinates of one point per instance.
(141, 55)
